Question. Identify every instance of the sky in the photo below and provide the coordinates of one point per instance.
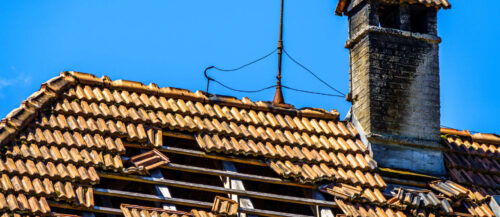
(171, 42)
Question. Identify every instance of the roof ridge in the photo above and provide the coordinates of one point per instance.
(200, 96)
(486, 138)
(455, 132)
(476, 137)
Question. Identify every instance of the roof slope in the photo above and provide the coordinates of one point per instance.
(473, 159)
(77, 125)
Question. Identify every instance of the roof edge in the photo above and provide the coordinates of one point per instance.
(476, 137)
(29, 108)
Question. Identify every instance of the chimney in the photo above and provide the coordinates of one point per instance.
(394, 80)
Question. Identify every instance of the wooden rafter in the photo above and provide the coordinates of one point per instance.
(186, 202)
(202, 154)
(234, 183)
(237, 175)
(202, 187)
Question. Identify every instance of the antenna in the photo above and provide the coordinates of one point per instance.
(278, 96)
(278, 100)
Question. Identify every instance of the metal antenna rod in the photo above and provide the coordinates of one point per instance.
(278, 97)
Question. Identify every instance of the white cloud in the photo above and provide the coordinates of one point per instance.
(21, 79)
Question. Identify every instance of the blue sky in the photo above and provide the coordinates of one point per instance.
(170, 42)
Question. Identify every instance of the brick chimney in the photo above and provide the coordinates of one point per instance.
(394, 80)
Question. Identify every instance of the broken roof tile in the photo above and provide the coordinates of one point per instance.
(149, 160)
(224, 206)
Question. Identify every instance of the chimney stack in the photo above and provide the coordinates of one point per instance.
(394, 80)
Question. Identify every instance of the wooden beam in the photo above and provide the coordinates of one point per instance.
(153, 198)
(321, 211)
(94, 209)
(186, 202)
(232, 174)
(260, 212)
(162, 190)
(178, 135)
(201, 154)
(233, 183)
(106, 202)
(212, 156)
(202, 187)
(405, 182)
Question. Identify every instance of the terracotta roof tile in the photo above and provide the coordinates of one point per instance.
(451, 131)
(78, 122)
(224, 206)
(473, 160)
(486, 138)
(429, 3)
(19, 203)
(141, 211)
(61, 135)
(357, 209)
(149, 160)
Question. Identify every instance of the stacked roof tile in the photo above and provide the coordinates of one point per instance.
(440, 200)
(221, 207)
(140, 211)
(149, 160)
(224, 206)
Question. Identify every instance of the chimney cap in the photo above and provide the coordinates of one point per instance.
(438, 4)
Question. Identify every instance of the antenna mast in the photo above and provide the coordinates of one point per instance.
(278, 96)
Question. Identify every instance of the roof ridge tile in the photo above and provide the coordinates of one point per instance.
(486, 138)
(91, 79)
(452, 131)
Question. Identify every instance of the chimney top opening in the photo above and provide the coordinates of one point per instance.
(389, 16)
(418, 18)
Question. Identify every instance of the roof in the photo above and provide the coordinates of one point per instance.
(429, 3)
(79, 129)
(472, 159)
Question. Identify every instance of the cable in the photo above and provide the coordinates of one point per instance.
(235, 69)
(272, 86)
(248, 64)
(312, 92)
(243, 91)
(312, 73)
